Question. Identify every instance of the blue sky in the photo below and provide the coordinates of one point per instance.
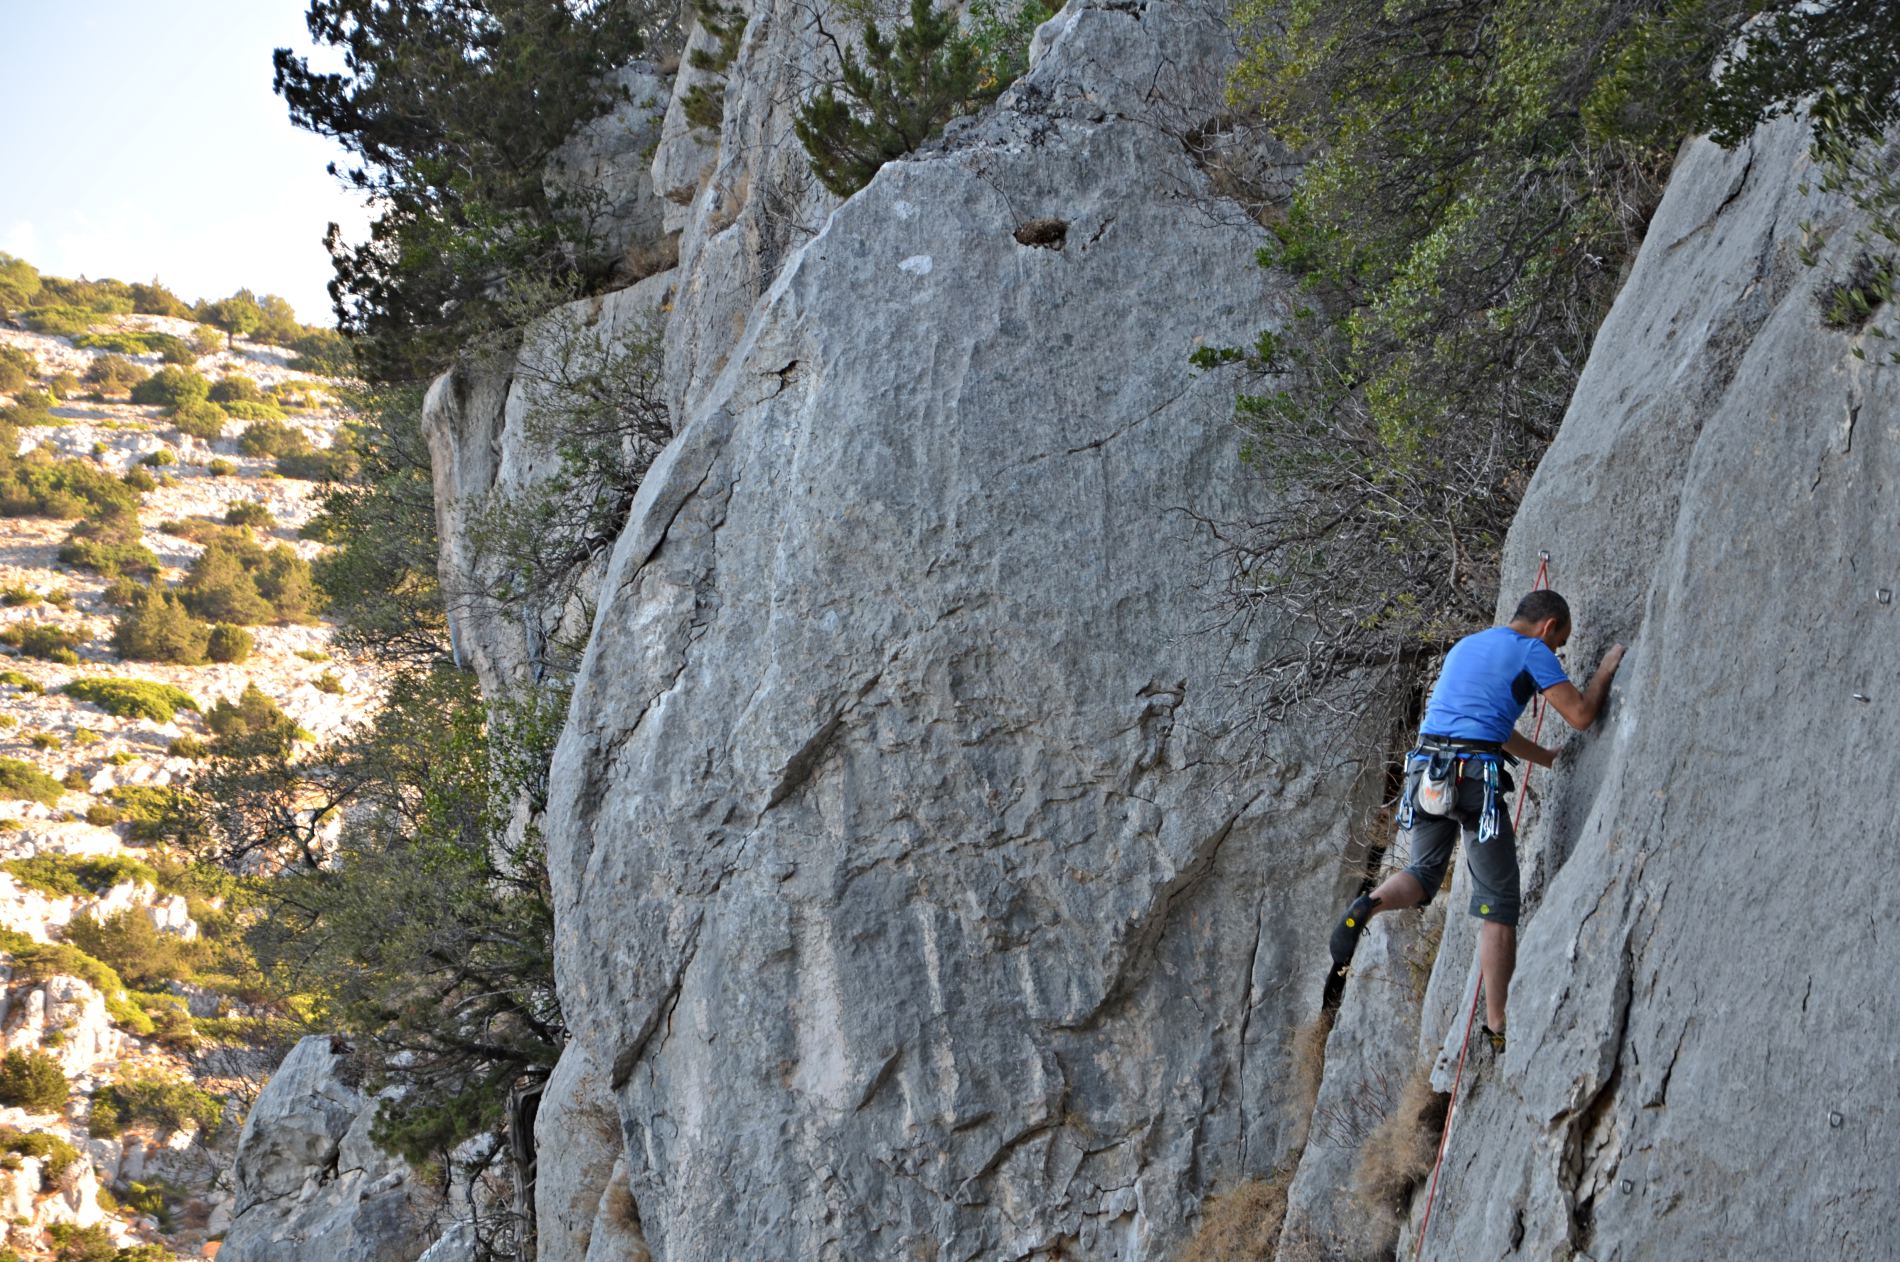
(140, 138)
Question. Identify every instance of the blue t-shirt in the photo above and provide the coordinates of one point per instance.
(1488, 679)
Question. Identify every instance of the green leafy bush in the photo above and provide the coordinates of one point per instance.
(156, 299)
(236, 580)
(99, 815)
(221, 468)
(19, 283)
(153, 811)
(24, 682)
(200, 420)
(114, 373)
(56, 1155)
(75, 875)
(252, 720)
(188, 746)
(229, 643)
(140, 479)
(322, 351)
(132, 698)
(165, 1103)
(45, 640)
(160, 459)
(272, 438)
(255, 412)
(38, 485)
(17, 367)
(900, 94)
(249, 513)
(107, 542)
(172, 387)
(156, 627)
(329, 682)
(47, 741)
(62, 320)
(138, 950)
(236, 388)
(33, 1081)
(22, 780)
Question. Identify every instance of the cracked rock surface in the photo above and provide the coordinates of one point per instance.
(1701, 1061)
(917, 892)
(311, 1184)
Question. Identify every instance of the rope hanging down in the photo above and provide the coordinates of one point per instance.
(1477, 992)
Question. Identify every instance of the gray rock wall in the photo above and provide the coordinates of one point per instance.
(310, 1184)
(1701, 1060)
(915, 888)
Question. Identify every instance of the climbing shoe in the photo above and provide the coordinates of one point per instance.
(1496, 1037)
(1346, 933)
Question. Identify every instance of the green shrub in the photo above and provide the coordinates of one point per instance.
(16, 594)
(313, 655)
(19, 283)
(132, 698)
(322, 351)
(273, 438)
(45, 640)
(114, 373)
(46, 742)
(22, 681)
(141, 953)
(77, 875)
(899, 95)
(236, 388)
(38, 485)
(172, 387)
(122, 758)
(156, 627)
(82, 1244)
(22, 780)
(152, 811)
(160, 459)
(102, 816)
(229, 643)
(166, 1103)
(74, 780)
(156, 299)
(37, 961)
(221, 468)
(255, 411)
(64, 386)
(236, 580)
(329, 682)
(253, 720)
(249, 513)
(107, 542)
(17, 367)
(33, 1081)
(200, 420)
(62, 320)
(188, 746)
(56, 1155)
(139, 479)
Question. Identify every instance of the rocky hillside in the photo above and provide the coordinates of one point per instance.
(123, 993)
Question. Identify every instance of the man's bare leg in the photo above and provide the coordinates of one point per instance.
(1396, 893)
(1497, 960)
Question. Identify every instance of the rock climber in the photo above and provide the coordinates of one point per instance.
(1469, 729)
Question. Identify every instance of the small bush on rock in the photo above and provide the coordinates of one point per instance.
(200, 420)
(156, 627)
(22, 780)
(132, 698)
(172, 387)
(272, 438)
(229, 643)
(33, 1081)
(114, 373)
(249, 513)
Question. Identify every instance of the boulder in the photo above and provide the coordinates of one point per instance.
(310, 1184)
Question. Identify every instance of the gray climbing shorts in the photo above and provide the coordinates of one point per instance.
(1494, 892)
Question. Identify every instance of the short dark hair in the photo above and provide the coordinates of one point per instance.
(1542, 604)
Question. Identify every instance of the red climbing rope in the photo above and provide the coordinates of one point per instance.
(1477, 992)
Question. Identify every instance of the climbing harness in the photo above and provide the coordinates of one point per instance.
(1477, 992)
(1442, 768)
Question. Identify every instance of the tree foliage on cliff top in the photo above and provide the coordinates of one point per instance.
(452, 110)
(1478, 175)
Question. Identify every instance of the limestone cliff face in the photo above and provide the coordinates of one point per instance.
(918, 894)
